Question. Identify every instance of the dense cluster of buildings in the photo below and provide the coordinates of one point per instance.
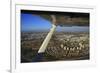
(62, 46)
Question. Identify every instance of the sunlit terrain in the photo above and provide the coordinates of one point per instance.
(62, 46)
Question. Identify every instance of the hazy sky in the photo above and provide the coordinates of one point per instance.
(31, 22)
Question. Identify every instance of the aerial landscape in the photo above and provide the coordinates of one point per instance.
(69, 41)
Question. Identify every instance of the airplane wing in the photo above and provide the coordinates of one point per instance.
(63, 18)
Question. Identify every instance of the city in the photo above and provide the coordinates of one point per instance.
(62, 46)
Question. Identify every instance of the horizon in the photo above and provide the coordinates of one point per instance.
(30, 22)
